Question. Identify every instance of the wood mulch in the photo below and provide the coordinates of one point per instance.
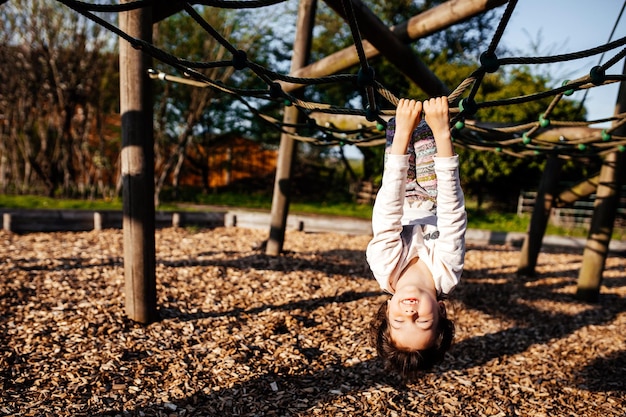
(244, 334)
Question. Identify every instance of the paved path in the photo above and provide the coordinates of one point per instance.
(211, 216)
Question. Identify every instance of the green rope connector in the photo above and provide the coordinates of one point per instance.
(287, 103)
(543, 122)
(582, 146)
(498, 149)
(567, 92)
(597, 75)
(621, 148)
(380, 127)
(525, 139)
(536, 152)
(606, 136)
(468, 106)
(460, 124)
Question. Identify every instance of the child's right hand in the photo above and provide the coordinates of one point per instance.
(408, 116)
(438, 119)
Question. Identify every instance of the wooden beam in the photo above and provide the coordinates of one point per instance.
(442, 17)
(343, 121)
(569, 133)
(424, 24)
(399, 53)
(578, 191)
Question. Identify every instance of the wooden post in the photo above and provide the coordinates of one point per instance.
(601, 228)
(137, 169)
(282, 182)
(604, 212)
(6, 222)
(541, 215)
(97, 221)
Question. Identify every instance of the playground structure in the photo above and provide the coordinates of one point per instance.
(136, 51)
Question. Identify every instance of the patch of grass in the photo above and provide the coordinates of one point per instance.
(229, 199)
(360, 211)
(38, 202)
(495, 221)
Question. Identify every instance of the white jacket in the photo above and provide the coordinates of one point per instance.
(401, 232)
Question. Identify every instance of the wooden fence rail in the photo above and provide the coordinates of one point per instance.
(578, 214)
(25, 221)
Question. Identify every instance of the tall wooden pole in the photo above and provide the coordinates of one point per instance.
(541, 214)
(137, 169)
(597, 245)
(604, 211)
(282, 182)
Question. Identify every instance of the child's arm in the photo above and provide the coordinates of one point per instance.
(438, 119)
(386, 251)
(449, 250)
(408, 115)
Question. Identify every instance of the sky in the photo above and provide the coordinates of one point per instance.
(566, 26)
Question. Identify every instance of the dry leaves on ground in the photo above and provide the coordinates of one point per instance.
(244, 334)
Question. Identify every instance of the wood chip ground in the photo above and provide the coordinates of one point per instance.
(244, 334)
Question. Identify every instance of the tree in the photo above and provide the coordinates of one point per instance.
(198, 117)
(56, 65)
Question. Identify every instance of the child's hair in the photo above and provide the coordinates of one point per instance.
(408, 363)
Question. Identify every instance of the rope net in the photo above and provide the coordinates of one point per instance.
(518, 140)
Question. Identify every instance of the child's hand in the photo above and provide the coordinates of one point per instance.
(408, 116)
(438, 119)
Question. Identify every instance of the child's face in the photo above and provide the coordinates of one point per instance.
(413, 316)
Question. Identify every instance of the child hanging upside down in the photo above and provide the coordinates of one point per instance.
(418, 246)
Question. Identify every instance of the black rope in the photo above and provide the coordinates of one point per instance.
(366, 73)
(511, 143)
(469, 108)
(617, 20)
(138, 4)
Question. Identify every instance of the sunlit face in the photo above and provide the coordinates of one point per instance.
(413, 315)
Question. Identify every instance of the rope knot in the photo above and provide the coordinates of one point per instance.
(597, 75)
(276, 90)
(240, 60)
(489, 61)
(366, 77)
